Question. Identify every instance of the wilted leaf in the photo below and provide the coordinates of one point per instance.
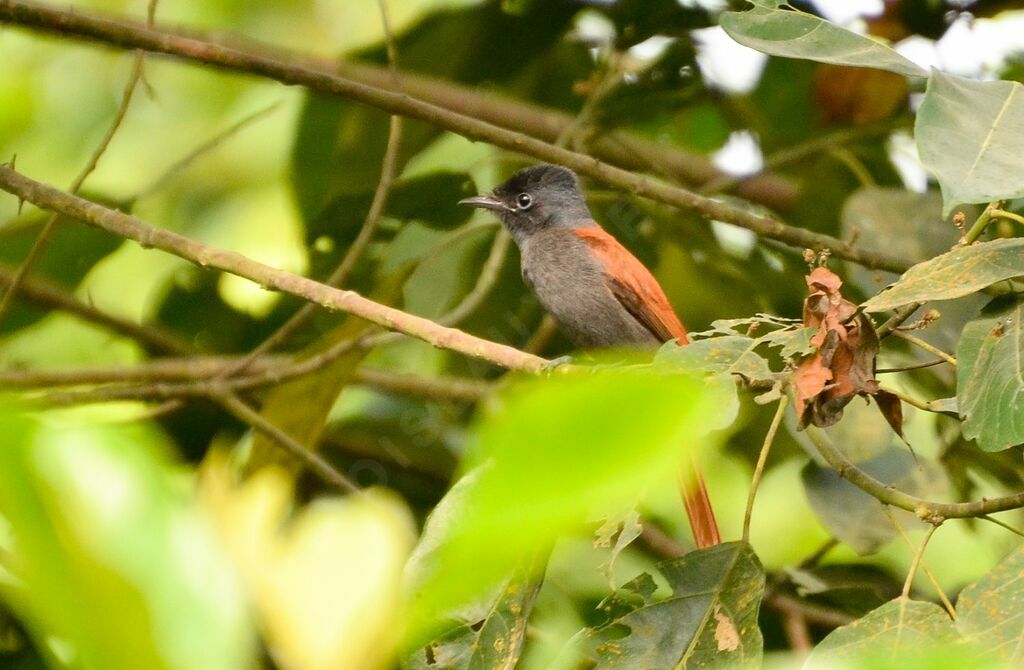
(990, 612)
(892, 409)
(990, 376)
(558, 451)
(110, 561)
(899, 634)
(710, 620)
(956, 273)
(795, 34)
(970, 135)
(843, 363)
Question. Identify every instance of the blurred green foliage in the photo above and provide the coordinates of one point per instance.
(528, 494)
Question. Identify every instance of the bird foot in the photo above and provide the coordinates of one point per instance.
(549, 367)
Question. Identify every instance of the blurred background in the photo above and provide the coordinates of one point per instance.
(286, 178)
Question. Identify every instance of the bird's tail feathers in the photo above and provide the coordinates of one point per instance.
(698, 506)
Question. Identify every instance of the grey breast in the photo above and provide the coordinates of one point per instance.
(569, 282)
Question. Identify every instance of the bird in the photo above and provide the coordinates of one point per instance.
(598, 293)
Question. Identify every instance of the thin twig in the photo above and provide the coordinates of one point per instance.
(192, 156)
(918, 342)
(908, 368)
(628, 150)
(1001, 524)
(924, 566)
(339, 277)
(762, 458)
(927, 510)
(50, 295)
(43, 238)
(1009, 216)
(316, 463)
(125, 35)
(918, 557)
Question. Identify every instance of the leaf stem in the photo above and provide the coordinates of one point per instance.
(762, 458)
(924, 566)
(1011, 216)
(918, 342)
(918, 557)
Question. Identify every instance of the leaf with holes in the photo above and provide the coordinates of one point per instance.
(492, 639)
(970, 135)
(990, 377)
(794, 34)
(710, 620)
(957, 273)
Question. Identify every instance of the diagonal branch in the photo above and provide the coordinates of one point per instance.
(204, 255)
(132, 36)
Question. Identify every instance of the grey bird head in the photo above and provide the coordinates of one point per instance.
(535, 199)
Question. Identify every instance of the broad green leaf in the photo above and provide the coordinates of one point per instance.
(554, 453)
(111, 562)
(899, 634)
(710, 620)
(911, 226)
(794, 34)
(990, 612)
(990, 376)
(731, 354)
(970, 135)
(957, 273)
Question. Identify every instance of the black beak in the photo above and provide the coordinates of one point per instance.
(484, 202)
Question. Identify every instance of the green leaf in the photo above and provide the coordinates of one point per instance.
(710, 620)
(970, 135)
(990, 377)
(957, 273)
(899, 634)
(731, 354)
(556, 452)
(795, 34)
(110, 559)
(990, 612)
(494, 639)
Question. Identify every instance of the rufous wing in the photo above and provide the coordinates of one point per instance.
(634, 286)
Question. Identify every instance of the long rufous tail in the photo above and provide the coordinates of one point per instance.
(698, 506)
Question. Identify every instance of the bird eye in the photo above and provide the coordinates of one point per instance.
(524, 200)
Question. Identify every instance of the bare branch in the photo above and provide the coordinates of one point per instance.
(204, 255)
(127, 35)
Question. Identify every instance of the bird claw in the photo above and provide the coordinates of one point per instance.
(549, 367)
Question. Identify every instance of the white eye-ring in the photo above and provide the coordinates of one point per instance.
(524, 200)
